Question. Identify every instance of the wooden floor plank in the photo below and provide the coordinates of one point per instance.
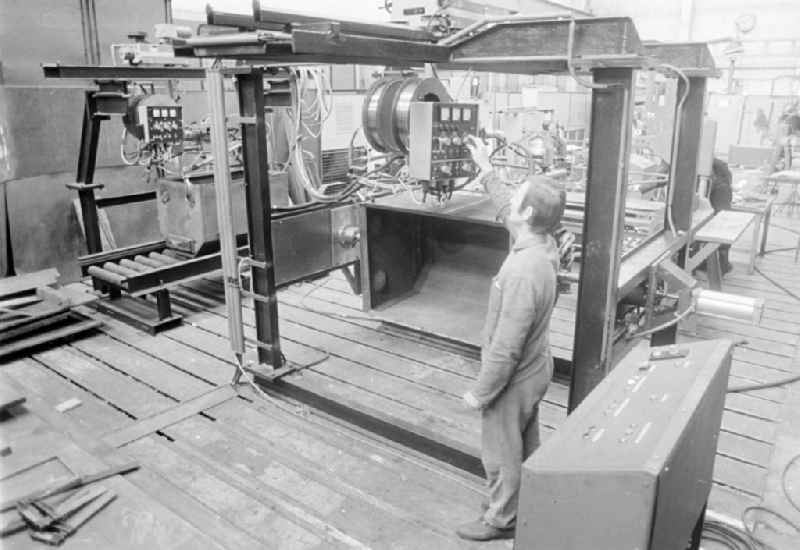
(151, 371)
(364, 517)
(135, 520)
(759, 408)
(739, 475)
(438, 404)
(218, 528)
(168, 417)
(730, 502)
(744, 449)
(748, 426)
(255, 518)
(202, 366)
(133, 398)
(407, 481)
(92, 415)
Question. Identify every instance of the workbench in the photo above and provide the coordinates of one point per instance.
(725, 228)
(787, 177)
(761, 206)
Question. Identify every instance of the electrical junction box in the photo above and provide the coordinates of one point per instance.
(162, 124)
(631, 467)
(437, 140)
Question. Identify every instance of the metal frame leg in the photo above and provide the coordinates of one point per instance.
(87, 160)
(765, 230)
(697, 532)
(714, 270)
(751, 264)
(603, 227)
(163, 304)
(684, 158)
(252, 106)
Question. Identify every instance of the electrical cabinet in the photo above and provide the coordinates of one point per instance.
(631, 467)
(437, 142)
(162, 124)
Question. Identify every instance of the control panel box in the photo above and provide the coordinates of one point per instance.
(632, 465)
(437, 140)
(162, 124)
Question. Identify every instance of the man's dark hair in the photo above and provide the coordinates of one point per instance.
(547, 200)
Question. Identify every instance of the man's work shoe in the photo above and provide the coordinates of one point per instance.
(480, 530)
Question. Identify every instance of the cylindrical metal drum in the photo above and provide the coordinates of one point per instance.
(385, 114)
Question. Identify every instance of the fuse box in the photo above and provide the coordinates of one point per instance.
(162, 124)
(438, 140)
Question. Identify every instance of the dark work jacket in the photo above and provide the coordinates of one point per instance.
(516, 337)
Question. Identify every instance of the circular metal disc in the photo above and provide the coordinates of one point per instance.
(385, 113)
(414, 89)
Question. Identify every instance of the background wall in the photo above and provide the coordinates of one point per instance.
(773, 43)
(40, 125)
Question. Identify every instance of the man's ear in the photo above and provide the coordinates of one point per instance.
(527, 214)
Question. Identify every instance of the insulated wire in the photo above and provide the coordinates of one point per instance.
(675, 135)
(674, 321)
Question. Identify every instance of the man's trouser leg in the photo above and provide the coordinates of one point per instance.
(509, 433)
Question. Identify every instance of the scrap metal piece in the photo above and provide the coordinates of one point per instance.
(59, 532)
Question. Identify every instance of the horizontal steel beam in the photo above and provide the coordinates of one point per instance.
(99, 72)
(119, 200)
(349, 45)
(514, 41)
(693, 58)
(278, 21)
(363, 28)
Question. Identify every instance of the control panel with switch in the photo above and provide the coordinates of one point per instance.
(438, 152)
(162, 124)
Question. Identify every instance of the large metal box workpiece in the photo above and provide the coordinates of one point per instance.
(631, 467)
(187, 212)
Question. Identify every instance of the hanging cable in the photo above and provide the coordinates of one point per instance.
(570, 62)
(674, 321)
(675, 139)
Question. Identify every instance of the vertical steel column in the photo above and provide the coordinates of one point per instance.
(603, 226)
(215, 81)
(685, 153)
(87, 160)
(250, 88)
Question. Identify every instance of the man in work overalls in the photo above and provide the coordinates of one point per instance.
(516, 364)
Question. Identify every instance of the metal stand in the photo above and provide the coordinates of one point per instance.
(250, 88)
(603, 228)
(684, 159)
(697, 532)
(252, 107)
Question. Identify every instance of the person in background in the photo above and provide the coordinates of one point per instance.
(787, 150)
(516, 362)
(720, 196)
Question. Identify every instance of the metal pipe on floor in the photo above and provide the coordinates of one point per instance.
(215, 81)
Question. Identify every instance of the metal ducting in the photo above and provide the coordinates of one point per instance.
(385, 114)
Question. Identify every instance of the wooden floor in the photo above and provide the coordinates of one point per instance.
(248, 473)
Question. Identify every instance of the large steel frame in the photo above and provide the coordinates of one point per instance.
(608, 48)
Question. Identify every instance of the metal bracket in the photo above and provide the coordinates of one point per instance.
(236, 119)
(77, 186)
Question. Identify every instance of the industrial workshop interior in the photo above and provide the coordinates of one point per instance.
(400, 274)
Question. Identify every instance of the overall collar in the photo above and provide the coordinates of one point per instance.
(536, 239)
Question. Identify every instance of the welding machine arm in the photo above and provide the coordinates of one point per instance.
(502, 355)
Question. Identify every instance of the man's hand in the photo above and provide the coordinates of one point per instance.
(480, 153)
(471, 402)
